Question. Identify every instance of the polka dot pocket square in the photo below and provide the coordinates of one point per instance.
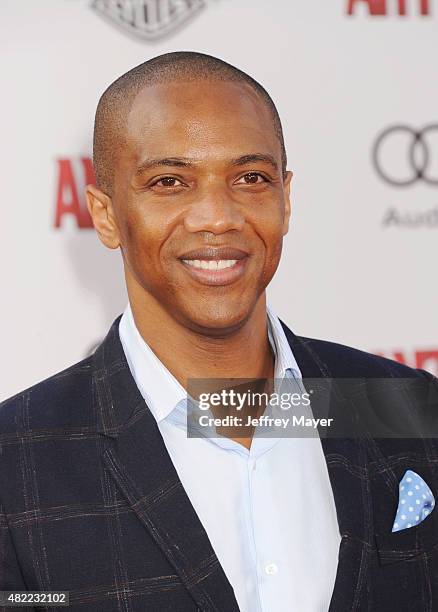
(415, 503)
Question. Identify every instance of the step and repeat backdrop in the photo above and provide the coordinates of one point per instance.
(355, 84)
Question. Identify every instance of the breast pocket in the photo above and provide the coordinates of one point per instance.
(403, 564)
(408, 543)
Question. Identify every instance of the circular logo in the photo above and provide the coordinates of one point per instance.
(403, 156)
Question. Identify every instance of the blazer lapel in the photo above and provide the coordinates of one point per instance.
(345, 458)
(138, 460)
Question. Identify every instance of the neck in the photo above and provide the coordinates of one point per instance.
(243, 353)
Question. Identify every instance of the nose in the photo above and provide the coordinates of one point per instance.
(214, 211)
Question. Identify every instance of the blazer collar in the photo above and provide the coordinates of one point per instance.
(118, 402)
(118, 399)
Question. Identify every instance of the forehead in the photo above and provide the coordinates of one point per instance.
(211, 119)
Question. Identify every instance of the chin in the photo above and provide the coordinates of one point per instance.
(216, 320)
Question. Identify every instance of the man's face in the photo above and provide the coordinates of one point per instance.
(200, 201)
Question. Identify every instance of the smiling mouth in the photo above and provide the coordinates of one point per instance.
(215, 265)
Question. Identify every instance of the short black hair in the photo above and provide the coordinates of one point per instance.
(115, 102)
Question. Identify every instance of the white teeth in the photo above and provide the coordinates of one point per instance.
(210, 264)
(225, 263)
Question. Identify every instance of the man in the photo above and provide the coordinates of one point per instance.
(102, 492)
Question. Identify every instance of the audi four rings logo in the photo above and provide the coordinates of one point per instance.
(403, 155)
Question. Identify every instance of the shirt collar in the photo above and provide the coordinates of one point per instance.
(284, 357)
(160, 389)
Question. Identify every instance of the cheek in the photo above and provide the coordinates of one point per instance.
(271, 233)
(141, 240)
(274, 253)
(270, 230)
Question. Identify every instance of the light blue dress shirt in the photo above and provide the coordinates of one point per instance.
(268, 511)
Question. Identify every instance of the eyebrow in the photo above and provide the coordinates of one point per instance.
(184, 162)
(255, 157)
(178, 162)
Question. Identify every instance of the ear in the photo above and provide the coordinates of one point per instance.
(287, 206)
(101, 210)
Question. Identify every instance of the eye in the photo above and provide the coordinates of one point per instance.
(252, 178)
(167, 181)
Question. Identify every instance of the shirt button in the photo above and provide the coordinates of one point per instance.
(252, 466)
(271, 569)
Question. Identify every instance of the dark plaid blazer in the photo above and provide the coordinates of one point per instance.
(91, 503)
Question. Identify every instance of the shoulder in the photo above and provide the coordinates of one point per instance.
(61, 400)
(348, 361)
